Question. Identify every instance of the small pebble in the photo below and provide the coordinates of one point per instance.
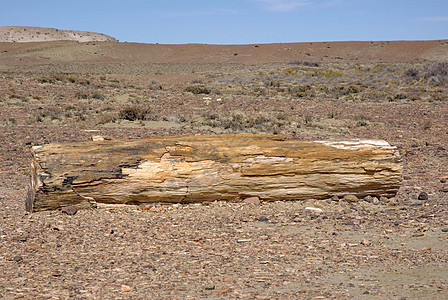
(125, 288)
(444, 229)
(252, 200)
(155, 208)
(97, 138)
(70, 210)
(396, 223)
(19, 239)
(366, 242)
(393, 202)
(384, 200)
(375, 201)
(263, 219)
(351, 198)
(368, 199)
(150, 267)
(315, 209)
(335, 198)
(423, 196)
(17, 258)
(209, 287)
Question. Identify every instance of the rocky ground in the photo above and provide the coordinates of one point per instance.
(278, 250)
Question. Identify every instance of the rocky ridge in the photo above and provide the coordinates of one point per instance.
(24, 34)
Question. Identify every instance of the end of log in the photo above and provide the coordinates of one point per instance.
(38, 188)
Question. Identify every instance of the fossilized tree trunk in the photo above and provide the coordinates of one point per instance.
(207, 168)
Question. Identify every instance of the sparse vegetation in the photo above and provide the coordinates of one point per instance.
(239, 121)
(435, 73)
(134, 113)
(97, 95)
(198, 89)
(436, 69)
(411, 73)
(330, 73)
(304, 63)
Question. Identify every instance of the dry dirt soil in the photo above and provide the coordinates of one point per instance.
(68, 91)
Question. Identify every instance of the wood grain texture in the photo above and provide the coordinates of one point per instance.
(208, 168)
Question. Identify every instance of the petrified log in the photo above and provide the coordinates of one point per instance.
(207, 168)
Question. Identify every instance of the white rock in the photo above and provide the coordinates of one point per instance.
(97, 138)
(313, 209)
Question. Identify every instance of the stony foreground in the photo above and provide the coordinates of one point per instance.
(226, 250)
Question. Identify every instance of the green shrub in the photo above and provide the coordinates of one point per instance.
(45, 80)
(197, 89)
(346, 90)
(299, 91)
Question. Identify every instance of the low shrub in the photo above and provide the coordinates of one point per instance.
(134, 113)
(46, 80)
(97, 95)
(346, 90)
(437, 73)
(81, 95)
(299, 91)
(304, 63)
(197, 89)
(411, 73)
(436, 69)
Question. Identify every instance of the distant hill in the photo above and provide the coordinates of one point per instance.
(53, 46)
(23, 34)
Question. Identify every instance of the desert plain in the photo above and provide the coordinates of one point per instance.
(69, 91)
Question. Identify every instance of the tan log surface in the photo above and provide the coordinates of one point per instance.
(207, 168)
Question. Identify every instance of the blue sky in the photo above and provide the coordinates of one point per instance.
(237, 21)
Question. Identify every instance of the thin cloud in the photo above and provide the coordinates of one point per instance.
(283, 5)
(433, 19)
(331, 3)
